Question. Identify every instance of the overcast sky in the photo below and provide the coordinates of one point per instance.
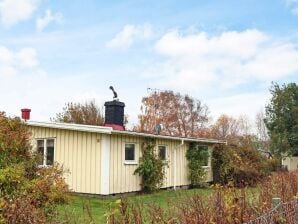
(225, 53)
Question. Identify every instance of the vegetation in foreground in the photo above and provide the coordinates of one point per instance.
(101, 207)
(28, 193)
(221, 205)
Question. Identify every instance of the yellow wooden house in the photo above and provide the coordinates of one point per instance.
(102, 159)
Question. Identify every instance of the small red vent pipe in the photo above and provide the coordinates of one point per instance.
(26, 114)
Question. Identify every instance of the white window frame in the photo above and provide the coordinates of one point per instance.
(167, 158)
(44, 161)
(131, 162)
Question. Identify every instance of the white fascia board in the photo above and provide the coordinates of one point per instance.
(109, 130)
(202, 140)
(69, 126)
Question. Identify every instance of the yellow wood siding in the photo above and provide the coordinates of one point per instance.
(79, 153)
(122, 178)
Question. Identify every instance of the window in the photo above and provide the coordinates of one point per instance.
(46, 148)
(130, 153)
(205, 154)
(162, 152)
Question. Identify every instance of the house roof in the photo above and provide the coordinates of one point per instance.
(109, 130)
(73, 127)
(205, 140)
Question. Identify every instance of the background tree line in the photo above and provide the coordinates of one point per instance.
(275, 128)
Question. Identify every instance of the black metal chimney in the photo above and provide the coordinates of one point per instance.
(114, 113)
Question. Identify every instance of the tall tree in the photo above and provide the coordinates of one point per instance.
(180, 115)
(282, 119)
(231, 129)
(81, 113)
(225, 127)
(262, 132)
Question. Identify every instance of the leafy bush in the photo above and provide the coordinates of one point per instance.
(28, 194)
(196, 158)
(272, 165)
(221, 164)
(14, 144)
(151, 167)
(240, 165)
(246, 177)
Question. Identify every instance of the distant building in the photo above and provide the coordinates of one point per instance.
(291, 162)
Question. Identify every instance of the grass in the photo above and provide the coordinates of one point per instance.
(100, 206)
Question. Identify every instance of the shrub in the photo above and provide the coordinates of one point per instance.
(226, 205)
(196, 158)
(151, 167)
(271, 165)
(14, 144)
(22, 210)
(222, 168)
(240, 165)
(246, 176)
(28, 194)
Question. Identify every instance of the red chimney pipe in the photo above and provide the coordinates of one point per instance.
(26, 114)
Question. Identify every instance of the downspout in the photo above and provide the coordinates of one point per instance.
(175, 162)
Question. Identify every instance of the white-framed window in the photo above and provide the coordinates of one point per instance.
(130, 153)
(46, 150)
(162, 152)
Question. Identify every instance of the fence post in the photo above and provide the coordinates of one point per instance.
(275, 202)
(277, 206)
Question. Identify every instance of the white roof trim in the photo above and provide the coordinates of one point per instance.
(109, 130)
(203, 140)
(69, 126)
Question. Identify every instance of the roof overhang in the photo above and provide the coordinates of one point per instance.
(109, 130)
(202, 140)
(73, 127)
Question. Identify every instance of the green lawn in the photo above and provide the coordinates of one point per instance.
(100, 206)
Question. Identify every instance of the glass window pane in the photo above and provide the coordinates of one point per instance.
(205, 154)
(162, 152)
(40, 151)
(295, 154)
(50, 143)
(50, 152)
(129, 152)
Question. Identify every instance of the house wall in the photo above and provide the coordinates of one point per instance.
(291, 163)
(79, 153)
(122, 178)
(96, 161)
